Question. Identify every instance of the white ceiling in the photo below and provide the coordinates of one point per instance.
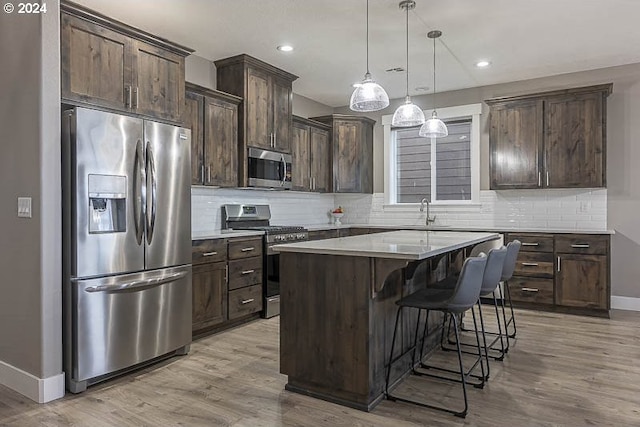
(522, 38)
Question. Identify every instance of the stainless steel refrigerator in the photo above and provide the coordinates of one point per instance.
(127, 243)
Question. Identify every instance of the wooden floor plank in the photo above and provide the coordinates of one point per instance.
(562, 370)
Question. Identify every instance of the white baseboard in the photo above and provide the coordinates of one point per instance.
(41, 390)
(625, 303)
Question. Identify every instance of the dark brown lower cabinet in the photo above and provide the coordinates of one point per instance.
(209, 295)
(581, 281)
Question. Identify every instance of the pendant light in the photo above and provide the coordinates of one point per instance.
(408, 114)
(368, 95)
(434, 127)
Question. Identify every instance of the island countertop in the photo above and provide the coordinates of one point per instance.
(403, 244)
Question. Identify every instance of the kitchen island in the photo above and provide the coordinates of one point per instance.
(338, 308)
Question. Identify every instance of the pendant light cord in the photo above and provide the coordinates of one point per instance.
(367, 36)
(407, 16)
(434, 74)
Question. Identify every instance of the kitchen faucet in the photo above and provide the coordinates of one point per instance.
(428, 219)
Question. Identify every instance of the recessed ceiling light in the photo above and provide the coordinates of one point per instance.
(483, 64)
(285, 48)
(422, 88)
(395, 70)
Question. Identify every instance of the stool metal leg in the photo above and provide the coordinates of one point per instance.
(464, 385)
(513, 318)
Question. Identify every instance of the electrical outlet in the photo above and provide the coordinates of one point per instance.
(24, 207)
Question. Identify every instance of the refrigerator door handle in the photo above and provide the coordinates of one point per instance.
(137, 285)
(284, 169)
(139, 190)
(151, 190)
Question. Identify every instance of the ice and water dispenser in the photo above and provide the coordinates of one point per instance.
(107, 203)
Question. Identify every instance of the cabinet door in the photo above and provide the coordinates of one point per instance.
(158, 82)
(515, 144)
(209, 296)
(95, 64)
(281, 111)
(300, 155)
(574, 141)
(581, 281)
(346, 157)
(320, 160)
(220, 143)
(258, 110)
(192, 119)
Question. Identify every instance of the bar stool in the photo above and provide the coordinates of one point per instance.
(490, 282)
(448, 301)
(513, 248)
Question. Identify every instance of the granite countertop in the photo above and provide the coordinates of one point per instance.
(404, 244)
(449, 228)
(221, 234)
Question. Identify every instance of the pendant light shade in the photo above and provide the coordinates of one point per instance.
(368, 95)
(434, 127)
(408, 114)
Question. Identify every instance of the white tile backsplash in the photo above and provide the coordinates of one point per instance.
(287, 207)
(569, 209)
(530, 209)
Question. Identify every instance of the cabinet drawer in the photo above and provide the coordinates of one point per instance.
(245, 248)
(245, 272)
(532, 242)
(530, 289)
(582, 244)
(534, 264)
(245, 301)
(206, 251)
(323, 234)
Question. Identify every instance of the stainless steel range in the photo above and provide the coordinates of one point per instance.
(257, 217)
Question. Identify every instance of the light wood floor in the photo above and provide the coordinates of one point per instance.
(562, 370)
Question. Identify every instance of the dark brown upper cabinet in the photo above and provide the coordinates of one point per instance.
(310, 152)
(266, 113)
(109, 64)
(352, 152)
(212, 117)
(549, 140)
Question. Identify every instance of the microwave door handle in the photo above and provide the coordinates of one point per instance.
(284, 168)
(152, 189)
(139, 189)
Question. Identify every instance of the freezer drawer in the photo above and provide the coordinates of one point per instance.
(120, 321)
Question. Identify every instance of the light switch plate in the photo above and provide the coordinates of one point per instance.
(24, 207)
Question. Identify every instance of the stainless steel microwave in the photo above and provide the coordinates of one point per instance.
(269, 169)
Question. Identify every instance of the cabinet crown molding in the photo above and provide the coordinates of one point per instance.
(100, 19)
(331, 117)
(250, 60)
(311, 122)
(606, 90)
(205, 91)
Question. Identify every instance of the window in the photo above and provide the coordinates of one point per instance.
(444, 170)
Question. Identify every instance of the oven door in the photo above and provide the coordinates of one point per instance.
(272, 284)
(269, 169)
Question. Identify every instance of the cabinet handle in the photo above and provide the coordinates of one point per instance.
(247, 301)
(580, 245)
(127, 96)
(559, 268)
(226, 273)
(529, 290)
(135, 98)
(539, 179)
(247, 272)
(547, 178)
(530, 244)
(530, 264)
(210, 253)
(209, 173)
(202, 173)
(248, 249)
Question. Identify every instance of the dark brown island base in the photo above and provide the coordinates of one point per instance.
(338, 308)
